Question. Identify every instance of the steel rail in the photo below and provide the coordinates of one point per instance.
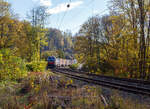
(138, 81)
(106, 83)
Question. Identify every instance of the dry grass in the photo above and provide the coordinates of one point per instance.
(49, 91)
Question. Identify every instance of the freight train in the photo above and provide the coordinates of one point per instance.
(53, 62)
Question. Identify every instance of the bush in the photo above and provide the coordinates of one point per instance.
(11, 67)
(46, 54)
(74, 66)
(36, 66)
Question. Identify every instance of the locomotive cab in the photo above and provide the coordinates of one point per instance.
(51, 62)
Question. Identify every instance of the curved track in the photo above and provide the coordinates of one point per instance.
(123, 84)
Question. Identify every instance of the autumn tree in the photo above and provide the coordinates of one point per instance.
(37, 17)
(4, 8)
(88, 43)
(136, 15)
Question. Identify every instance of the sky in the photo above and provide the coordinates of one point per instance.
(61, 17)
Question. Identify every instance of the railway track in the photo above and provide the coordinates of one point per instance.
(123, 84)
(135, 81)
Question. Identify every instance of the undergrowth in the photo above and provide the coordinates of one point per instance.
(50, 91)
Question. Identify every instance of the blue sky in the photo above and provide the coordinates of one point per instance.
(62, 17)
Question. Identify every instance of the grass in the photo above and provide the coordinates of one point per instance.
(49, 91)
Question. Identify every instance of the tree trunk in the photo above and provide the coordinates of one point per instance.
(148, 43)
(142, 52)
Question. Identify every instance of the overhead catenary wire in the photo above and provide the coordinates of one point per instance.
(81, 11)
(98, 14)
(101, 13)
(68, 5)
(61, 21)
(57, 21)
